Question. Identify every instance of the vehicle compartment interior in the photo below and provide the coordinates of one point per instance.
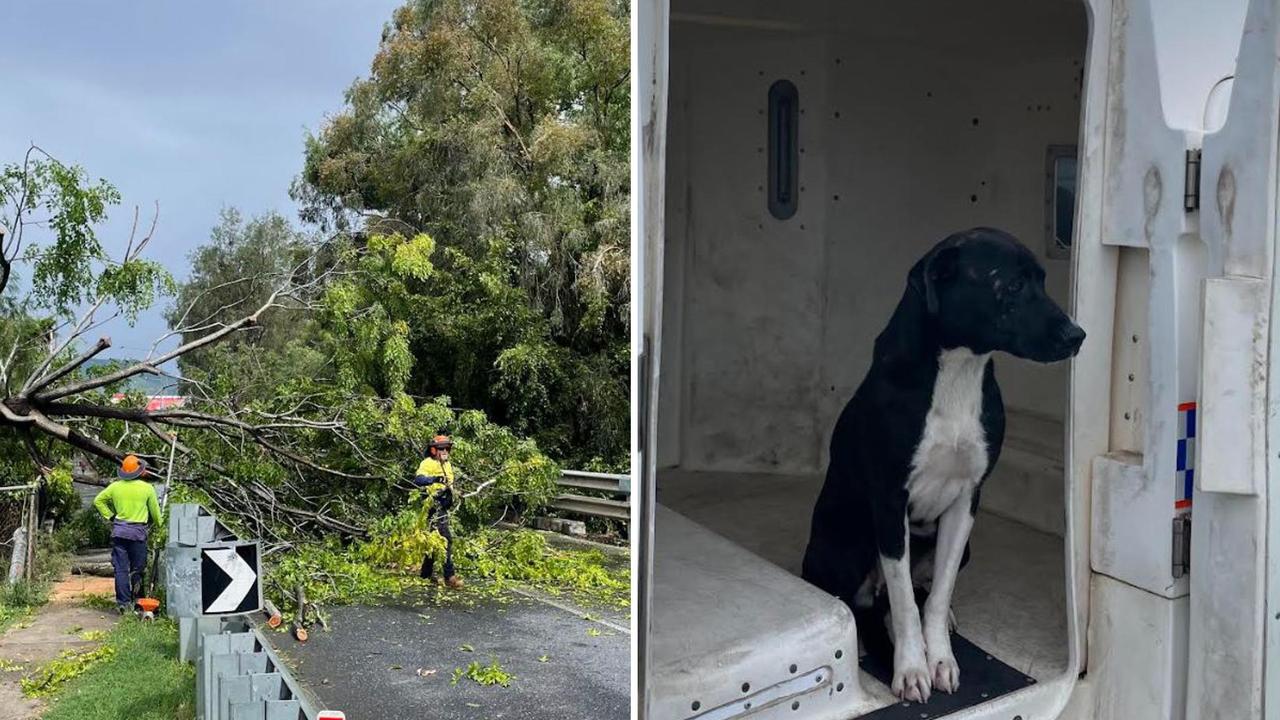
(815, 151)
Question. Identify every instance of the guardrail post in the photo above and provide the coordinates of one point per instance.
(283, 709)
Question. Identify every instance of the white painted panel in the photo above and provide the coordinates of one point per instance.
(954, 141)
(1094, 290)
(1138, 646)
(648, 159)
(729, 627)
(677, 226)
(1231, 448)
(1131, 522)
(1144, 156)
(1229, 559)
(1224, 676)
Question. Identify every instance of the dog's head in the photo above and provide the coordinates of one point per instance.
(984, 290)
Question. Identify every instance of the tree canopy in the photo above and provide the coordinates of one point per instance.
(500, 129)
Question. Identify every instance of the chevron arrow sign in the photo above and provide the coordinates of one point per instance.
(229, 583)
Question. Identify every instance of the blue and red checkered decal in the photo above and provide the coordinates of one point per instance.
(1185, 474)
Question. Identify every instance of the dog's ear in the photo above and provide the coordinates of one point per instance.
(935, 268)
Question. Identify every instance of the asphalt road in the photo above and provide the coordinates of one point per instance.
(397, 660)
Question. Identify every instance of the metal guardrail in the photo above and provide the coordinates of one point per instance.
(239, 676)
(618, 485)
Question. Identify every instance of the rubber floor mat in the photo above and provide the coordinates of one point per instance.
(982, 678)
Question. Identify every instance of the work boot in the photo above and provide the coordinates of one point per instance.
(454, 582)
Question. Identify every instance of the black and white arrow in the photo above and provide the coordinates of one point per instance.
(242, 576)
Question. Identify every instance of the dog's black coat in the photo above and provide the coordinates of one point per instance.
(980, 290)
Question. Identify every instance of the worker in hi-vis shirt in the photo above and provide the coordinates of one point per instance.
(435, 475)
(129, 502)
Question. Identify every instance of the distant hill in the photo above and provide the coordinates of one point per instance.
(144, 383)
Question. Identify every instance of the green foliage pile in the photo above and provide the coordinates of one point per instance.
(70, 664)
(61, 499)
(331, 575)
(525, 556)
(491, 674)
(386, 565)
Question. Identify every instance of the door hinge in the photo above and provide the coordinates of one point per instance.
(1181, 545)
(1191, 193)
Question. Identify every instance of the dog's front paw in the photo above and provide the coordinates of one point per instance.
(942, 663)
(911, 679)
(945, 671)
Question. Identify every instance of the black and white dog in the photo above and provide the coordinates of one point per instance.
(912, 448)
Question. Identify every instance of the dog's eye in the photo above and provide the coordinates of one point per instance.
(1015, 287)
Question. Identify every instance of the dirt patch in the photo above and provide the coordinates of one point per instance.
(77, 586)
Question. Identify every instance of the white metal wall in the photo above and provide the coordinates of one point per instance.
(911, 130)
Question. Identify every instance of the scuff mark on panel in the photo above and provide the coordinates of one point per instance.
(1152, 190)
(1227, 199)
(1116, 81)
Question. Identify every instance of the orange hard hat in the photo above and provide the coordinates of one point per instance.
(439, 442)
(131, 467)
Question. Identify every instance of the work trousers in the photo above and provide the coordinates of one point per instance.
(129, 559)
(439, 521)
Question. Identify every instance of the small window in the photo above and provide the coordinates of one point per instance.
(784, 159)
(1060, 200)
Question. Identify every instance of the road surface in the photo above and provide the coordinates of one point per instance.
(397, 660)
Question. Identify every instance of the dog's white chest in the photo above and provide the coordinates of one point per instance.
(952, 454)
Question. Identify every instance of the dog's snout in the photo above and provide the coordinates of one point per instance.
(1072, 337)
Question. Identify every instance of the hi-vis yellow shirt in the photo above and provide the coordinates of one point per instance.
(440, 472)
(129, 500)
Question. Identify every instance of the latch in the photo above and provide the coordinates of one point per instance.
(1181, 545)
(1191, 192)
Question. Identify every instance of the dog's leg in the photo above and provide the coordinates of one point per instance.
(910, 672)
(953, 533)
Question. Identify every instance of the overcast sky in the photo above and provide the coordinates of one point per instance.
(195, 106)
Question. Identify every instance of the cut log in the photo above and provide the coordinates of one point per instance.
(273, 614)
(92, 567)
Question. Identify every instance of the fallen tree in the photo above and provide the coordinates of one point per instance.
(320, 454)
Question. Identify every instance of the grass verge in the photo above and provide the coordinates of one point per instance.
(19, 599)
(141, 678)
